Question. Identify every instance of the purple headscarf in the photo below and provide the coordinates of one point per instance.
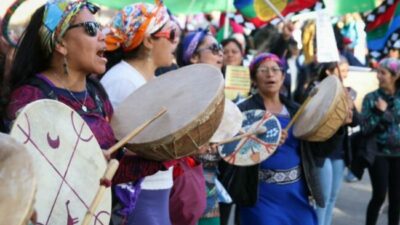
(190, 44)
(265, 57)
(391, 64)
(262, 57)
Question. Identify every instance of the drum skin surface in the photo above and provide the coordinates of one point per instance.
(325, 113)
(254, 149)
(194, 99)
(68, 160)
(18, 182)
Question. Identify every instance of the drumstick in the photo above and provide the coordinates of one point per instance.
(133, 133)
(256, 131)
(108, 175)
(302, 107)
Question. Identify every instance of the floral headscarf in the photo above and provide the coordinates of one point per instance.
(57, 18)
(133, 23)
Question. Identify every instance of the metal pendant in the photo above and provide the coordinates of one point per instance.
(84, 108)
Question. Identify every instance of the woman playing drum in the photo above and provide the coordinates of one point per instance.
(279, 201)
(333, 154)
(141, 39)
(59, 49)
(201, 47)
(56, 54)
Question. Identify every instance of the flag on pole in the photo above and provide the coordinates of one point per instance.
(295, 6)
(383, 28)
(246, 8)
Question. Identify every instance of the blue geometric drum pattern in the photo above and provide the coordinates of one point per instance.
(253, 149)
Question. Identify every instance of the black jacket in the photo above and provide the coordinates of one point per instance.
(365, 149)
(242, 182)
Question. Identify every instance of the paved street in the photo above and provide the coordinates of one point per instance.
(352, 204)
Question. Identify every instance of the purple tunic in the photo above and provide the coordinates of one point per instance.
(99, 124)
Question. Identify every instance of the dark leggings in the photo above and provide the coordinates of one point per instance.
(385, 177)
(225, 211)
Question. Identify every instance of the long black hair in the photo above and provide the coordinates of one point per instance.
(29, 59)
(329, 66)
(323, 68)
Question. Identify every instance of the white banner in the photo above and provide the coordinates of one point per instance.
(327, 50)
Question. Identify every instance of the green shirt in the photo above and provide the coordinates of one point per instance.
(385, 125)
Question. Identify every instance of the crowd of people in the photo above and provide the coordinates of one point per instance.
(66, 55)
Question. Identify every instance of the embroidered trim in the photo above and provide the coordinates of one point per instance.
(280, 176)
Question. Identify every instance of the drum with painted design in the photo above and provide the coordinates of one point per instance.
(255, 148)
(68, 159)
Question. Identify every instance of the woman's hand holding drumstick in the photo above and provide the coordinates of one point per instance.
(133, 134)
(284, 135)
(105, 182)
(113, 164)
(301, 109)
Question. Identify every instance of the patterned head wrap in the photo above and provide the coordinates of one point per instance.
(133, 23)
(190, 44)
(391, 64)
(262, 58)
(57, 17)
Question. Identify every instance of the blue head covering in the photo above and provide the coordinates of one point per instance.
(191, 42)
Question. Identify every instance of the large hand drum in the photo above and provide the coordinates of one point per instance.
(194, 98)
(68, 159)
(324, 113)
(254, 149)
(17, 182)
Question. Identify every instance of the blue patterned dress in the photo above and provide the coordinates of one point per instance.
(282, 200)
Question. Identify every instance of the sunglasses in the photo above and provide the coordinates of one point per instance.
(265, 70)
(170, 35)
(214, 48)
(91, 27)
(169, 31)
(92, 8)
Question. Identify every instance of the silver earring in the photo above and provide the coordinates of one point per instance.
(65, 66)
